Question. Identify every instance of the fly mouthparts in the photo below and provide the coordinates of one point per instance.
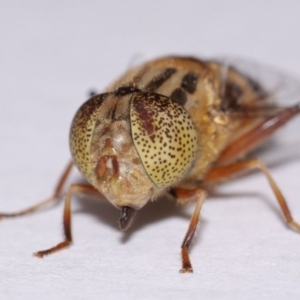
(126, 218)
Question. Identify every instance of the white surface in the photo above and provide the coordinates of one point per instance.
(51, 53)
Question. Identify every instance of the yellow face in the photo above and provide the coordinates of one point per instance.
(130, 147)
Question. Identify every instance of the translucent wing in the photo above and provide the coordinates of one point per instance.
(282, 88)
(275, 90)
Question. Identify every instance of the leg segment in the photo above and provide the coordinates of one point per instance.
(257, 135)
(199, 195)
(55, 197)
(74, 188)
(225, 172)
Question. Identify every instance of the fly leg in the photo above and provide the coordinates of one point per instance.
(74, 188)
(192, 195)
(238, 148)
(224, 172)
(55, 197)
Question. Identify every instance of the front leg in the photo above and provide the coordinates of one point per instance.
(185, 196)
(74, 188)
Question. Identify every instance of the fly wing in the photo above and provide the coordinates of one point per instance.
(272, 85)
(252, 91)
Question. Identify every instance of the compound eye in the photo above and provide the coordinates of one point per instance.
(164, 136)
(81, 134)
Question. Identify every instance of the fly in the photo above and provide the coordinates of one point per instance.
(172, 125)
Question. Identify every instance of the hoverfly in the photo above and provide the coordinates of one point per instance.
(172, 125)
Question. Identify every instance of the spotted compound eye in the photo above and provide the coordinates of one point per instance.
(164, 136)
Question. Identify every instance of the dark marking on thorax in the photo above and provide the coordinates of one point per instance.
(189, 82)
(232, 95)
(157, 81)
(179, 96)
(125, 90)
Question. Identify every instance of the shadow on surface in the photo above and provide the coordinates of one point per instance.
(151, 213)
(270, 203)
(162, 209)
(274, 154)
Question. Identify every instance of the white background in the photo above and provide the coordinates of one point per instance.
(51, 54)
